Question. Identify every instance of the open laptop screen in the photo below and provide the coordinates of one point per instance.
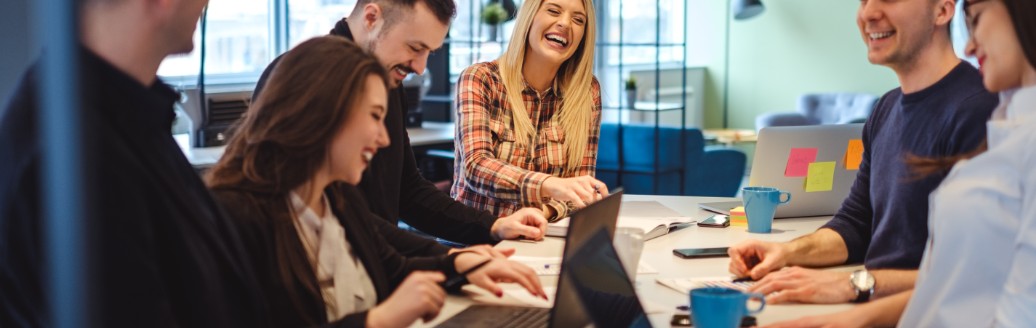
(594, 273)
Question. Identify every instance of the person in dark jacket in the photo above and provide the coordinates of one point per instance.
(402, 34)
(159, 253)
(287, 180)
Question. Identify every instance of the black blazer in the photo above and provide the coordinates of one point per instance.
(263, 219)
(395, 189)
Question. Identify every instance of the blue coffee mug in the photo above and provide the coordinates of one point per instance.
(718, 307)
(760, 205)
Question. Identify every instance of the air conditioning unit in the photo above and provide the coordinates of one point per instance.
(222, 110)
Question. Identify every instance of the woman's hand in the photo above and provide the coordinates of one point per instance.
(580, 191)
(419, 296)
(499, 270)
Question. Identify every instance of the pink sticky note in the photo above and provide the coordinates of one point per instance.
(798, 161)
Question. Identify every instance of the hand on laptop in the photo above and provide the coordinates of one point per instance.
(579, 191)
(499, 270)
(796, 284)
(418, 297)
(527, 223)
(756, 259)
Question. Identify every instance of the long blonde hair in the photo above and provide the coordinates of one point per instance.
(575, 80)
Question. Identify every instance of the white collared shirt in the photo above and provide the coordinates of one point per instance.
(979, 267)
(344, 283)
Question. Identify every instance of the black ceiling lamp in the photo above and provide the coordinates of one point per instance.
(745, 9)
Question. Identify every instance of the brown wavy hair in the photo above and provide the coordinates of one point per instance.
(285, 137)
(1023, 17)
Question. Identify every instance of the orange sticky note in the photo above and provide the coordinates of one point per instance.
(853, 154)
(798, 161)
(737, 211)
(821, 176)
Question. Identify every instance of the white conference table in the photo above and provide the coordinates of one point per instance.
(430, 133)
(658, 254)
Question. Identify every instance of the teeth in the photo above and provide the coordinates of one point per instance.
(557, 38)
(368, 155)
(401, 71)
(876, 36)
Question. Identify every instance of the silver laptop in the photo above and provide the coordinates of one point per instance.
(593, 287)
(771, 159)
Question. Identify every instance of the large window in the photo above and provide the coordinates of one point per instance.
(473, 42)
(638, 19)
(470, 39)
(311, 18)
(243, 36)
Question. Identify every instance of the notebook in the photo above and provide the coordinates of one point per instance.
(654, 218)
(593, 287)
(684, 285)
(817, 164)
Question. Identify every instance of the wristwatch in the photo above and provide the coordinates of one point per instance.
(863, 282)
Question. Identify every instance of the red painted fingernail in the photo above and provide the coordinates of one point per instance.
(500, 293)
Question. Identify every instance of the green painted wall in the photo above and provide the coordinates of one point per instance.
(793, 47)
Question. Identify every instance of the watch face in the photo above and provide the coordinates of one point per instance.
(863, 280)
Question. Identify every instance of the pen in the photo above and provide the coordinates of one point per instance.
(461, 278)
(743, 279)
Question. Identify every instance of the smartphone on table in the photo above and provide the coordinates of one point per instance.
(693, 253)
(715, 221)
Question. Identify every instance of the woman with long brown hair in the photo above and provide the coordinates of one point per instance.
(979, 264)
(286, 179)
(528, 123)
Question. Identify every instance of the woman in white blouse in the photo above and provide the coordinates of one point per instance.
(979, 267)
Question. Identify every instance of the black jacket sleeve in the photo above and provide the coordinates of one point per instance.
(361, 226)
(430, 210)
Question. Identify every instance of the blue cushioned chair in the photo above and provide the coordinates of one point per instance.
(823, 108)
(715, 172)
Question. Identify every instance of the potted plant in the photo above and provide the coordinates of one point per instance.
(493, 14)
(631, 91)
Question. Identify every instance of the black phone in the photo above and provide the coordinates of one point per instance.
(692, 253)
(715, 221)
(686, 320)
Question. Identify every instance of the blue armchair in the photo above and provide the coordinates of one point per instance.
(823, 108)
(717, 172)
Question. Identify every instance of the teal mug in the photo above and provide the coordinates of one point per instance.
(760, 205)
(719, 307)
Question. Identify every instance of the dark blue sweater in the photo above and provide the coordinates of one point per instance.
(884, 221)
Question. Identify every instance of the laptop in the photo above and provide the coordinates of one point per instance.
(593, 287)
(771, 158)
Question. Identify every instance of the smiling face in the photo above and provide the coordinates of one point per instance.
(995, 44)
(362, 134)
(556, 32)
(896, 31)
(403, 47)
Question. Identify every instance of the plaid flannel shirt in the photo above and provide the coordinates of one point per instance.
(492, 172)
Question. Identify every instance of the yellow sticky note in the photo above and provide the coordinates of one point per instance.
(820, 177)
(853, 154)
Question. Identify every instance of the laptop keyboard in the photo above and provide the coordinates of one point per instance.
(499, 316)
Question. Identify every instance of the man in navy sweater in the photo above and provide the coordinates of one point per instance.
(939, 110)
